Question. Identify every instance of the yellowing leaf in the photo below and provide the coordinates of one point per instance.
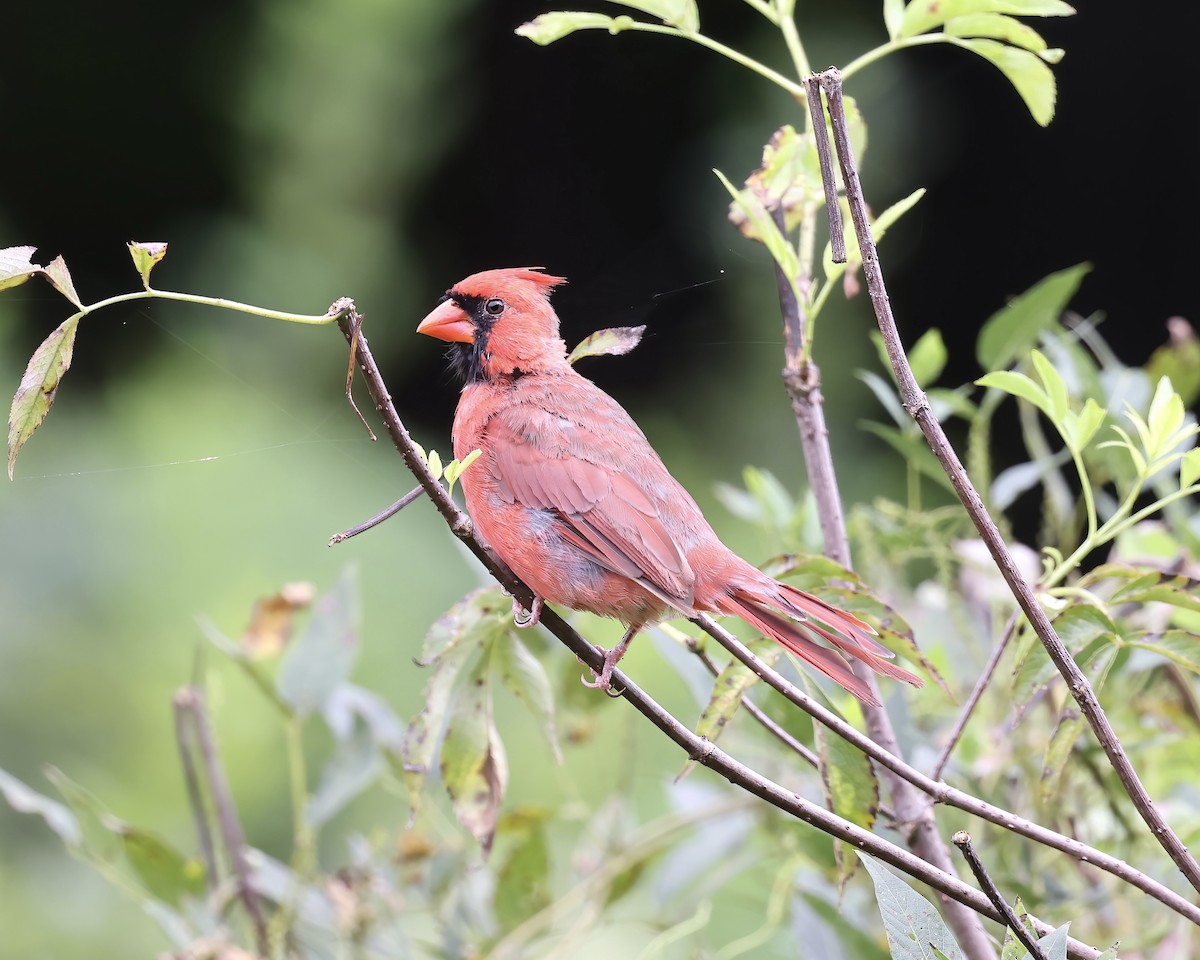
(39, 384)
(473, 764)
(146, 257)
(548, 27)
(272, 619)
(16, 266)
(612, 341)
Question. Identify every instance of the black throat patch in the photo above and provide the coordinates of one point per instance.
(466, 359)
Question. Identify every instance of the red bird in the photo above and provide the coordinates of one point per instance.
(570, 494)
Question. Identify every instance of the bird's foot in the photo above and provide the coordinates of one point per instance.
(603, 679)
(534, 613)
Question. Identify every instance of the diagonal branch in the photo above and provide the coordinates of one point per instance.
(697, 748)
(917, 405)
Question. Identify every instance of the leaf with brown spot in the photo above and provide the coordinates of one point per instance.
(146, 256)
(39, 384)
(273, 618)
(60, 278)
(16, 266)
(474, 767)
(612, 341)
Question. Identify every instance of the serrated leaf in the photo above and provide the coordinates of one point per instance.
(356, 764)
(1079, 626)
(1011, 331)
(927, 357)
(1179, 646)
(39, 385)
(60, 278)
(523, 674)
(423, 735)
(523, 882)
(612, 341)
(548, 27)
(58, 817)
(16, 266)
(97, 841)
(473, 764)
(164, 871)
(326, 652)
(146, 257)
(911, 923)
(923, 15)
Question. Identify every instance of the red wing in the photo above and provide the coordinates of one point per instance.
(603, 512)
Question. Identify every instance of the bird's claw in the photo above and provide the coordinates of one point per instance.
(534, 613)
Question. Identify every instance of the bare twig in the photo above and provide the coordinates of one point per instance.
(376, 520)
(943, 793)
(833, 210)
(184, 739)
(802, 377)
(189, 701)
(917, 405)
(696, 748)
(962, 840)
(968, 709)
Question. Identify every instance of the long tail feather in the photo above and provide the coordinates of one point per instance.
(849, 636)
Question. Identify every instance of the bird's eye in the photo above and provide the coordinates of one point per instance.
(495, 306)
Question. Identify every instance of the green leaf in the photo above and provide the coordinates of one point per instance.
(911, 923)
(728, 689)
(164, 871)
(1009, 332)
(60, 278)
(1179, 359)
(97, 841)
(612, 341)
(548, 27)
(1079, 626)
(523, 882)
(677, 13)
(1189, 468)
(1027, 72)
(885, 393)
(146, 257)
(912, 447)
(523, 674)
(326, 652)
(473, 765)
(923, 15)
(998, 27)
(39, 384)
(760, 225)
(1018, 385)
(1078, 428)
(1164, 419)
(354, 766)
(25, 799)
(848, 781)
(1058, 398)
(16, 266)
(879, 229)
(1178, 646)
(927, 357)
(893, 17)
(476, 618)
(456, 468)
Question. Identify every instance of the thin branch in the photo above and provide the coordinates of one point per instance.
(190, 701)
(696, 748)
(833, 210)
(981, 684)
(943, 793)
(917, 405)
(962, 840)
(184, 736)
(376, 520)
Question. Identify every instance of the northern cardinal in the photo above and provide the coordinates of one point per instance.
(570, 494)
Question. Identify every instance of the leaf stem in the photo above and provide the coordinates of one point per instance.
(153, 293)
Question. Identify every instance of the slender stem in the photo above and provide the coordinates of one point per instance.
(791, 37)
(917, 404)
(185, 735)
(891, 46)
(962, 840)
(696, 748)
(153, 294)
(981, 684)
(376, 520)
(190, 699)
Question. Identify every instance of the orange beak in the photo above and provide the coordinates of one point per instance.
(448, 322)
